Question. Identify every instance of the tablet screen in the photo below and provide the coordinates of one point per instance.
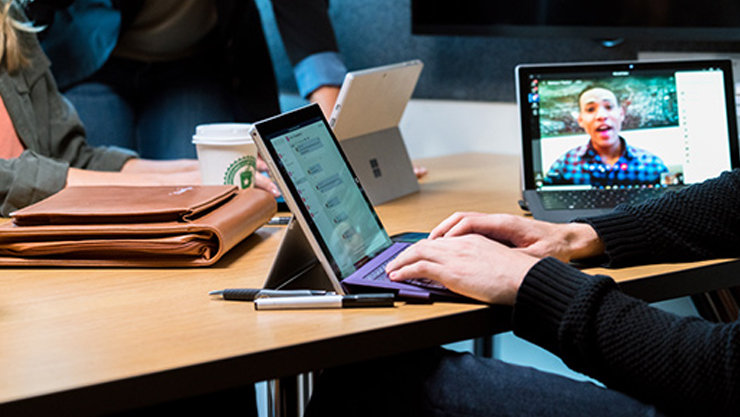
(673, 123)
(325, 190)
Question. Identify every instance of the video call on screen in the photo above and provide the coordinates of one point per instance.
(675, 122)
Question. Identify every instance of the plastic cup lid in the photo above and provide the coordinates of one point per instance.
(223, 134)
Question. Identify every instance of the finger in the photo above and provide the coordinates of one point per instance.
(420, 171)
(424, 250)
(420, 269)
(447, 224)
(499, 227)
(465, 226)
(261, 164)
(487, 225)
(266, 184)
(468, 223)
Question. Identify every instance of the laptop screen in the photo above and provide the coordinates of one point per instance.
(326, 191)
(626, 125)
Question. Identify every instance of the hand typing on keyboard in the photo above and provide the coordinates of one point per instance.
(379, 274)
(470, 265)
(486, 256)
(534, 237)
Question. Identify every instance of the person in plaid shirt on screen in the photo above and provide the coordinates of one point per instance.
(606, 160)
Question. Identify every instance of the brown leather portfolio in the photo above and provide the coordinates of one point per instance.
(164, 226)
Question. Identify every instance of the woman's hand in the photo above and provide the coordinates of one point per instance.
(150, 172)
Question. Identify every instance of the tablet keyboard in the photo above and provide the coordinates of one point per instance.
(378, 274)
(596, 199)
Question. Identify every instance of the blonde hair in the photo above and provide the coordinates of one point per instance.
(11, 51)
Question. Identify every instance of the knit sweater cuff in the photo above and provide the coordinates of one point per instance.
(624, 239)
(543, 299)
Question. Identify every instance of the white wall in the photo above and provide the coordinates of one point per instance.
(442, 127)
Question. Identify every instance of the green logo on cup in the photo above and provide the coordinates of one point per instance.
(241, 172)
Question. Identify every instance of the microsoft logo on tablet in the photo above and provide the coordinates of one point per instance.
(376, 168)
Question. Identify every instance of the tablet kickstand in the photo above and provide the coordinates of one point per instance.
(295, 265)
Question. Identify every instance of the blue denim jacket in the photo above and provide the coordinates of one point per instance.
(81, 39)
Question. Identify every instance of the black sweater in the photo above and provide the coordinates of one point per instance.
(683, 365)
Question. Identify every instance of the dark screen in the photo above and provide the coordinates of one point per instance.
(624, 18)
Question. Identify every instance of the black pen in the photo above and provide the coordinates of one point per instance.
(325, 301)
(251, 294)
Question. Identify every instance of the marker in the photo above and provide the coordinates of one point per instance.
(279, 220)
(251, 294)
(325, 301)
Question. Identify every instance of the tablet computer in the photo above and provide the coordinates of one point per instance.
(337, 241)
(366, 121)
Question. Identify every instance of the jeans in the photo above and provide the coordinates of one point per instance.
(152, 108)
(443, 383)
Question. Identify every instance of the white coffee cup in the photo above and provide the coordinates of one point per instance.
(226, 154)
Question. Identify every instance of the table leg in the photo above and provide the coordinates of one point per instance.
(483, 346)
(288, 396)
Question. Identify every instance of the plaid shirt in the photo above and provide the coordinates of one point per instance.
(583, 165)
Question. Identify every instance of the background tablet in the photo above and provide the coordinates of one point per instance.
(374, 99)
(365, 120)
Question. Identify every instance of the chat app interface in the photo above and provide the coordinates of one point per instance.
(333, 201)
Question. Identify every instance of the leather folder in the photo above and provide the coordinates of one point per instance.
(162, 226)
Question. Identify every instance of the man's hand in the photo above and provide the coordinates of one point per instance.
(471, 265)
(534, 237)
(420, 171)
(326, 97)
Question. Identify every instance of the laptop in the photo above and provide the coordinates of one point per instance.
(365, 119)
(335, 240)
(595, 135)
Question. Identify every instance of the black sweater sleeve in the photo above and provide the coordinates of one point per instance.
(700, 222)
(683, 365)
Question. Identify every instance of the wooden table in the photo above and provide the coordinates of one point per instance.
(89, 341)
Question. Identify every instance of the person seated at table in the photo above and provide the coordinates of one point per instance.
(651, 362)
(143, 74)
(43, 149)
(606, 159)
(42, 141)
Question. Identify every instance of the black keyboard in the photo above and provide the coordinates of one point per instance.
(596, 199)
